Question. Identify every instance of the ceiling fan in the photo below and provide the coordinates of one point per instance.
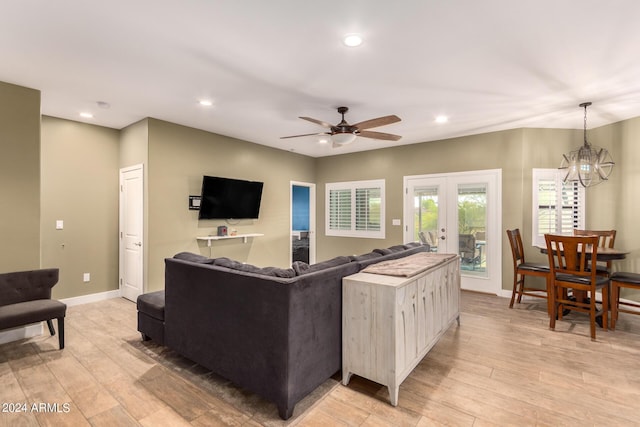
(343, 133)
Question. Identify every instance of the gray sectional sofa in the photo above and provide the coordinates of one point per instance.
(274, 332)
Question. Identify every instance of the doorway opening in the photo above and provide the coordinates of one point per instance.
(303, 222)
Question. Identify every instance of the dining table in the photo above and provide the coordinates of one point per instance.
(603, 254)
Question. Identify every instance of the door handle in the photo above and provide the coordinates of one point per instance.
(138, 244)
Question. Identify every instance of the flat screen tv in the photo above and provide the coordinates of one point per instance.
(226, 198)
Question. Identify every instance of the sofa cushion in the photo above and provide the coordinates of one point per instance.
(191, 257)
(364, 257)
(23, 313)
(412, 245)
(249, 268)
(301, 267)
(151, 304)
(390, 250)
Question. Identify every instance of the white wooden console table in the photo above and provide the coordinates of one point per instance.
(389, 323)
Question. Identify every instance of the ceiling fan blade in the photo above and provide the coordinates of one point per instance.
(380, 121)
(306, 134)
(316, 121)
(379, 135)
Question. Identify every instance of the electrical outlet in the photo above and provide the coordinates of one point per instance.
(86, 277)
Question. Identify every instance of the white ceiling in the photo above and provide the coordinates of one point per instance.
(489, 65)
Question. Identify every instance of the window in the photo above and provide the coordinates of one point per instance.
(558, 207)
(355, 209)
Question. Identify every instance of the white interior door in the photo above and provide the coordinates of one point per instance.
(131, 231)
(459, 213)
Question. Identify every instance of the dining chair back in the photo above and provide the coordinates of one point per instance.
(572, 264)
(522, 268)
(606, 239)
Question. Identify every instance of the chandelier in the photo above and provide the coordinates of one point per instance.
(590, 165)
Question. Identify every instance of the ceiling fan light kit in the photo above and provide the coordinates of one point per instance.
(589, 165)
(343, 133)
(343, 138)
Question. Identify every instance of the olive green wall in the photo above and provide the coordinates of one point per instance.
(134, 144)
(516, 152)
(79, 175)
(178, 158)
(615, 204)
(19, 178)
(499, 150)
(80, 186)
(134, 150)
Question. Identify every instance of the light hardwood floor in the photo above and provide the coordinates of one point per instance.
(500, 367)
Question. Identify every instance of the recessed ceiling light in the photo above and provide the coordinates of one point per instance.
(442, 119)
(86, 115)
(206, 102)
(352, 40)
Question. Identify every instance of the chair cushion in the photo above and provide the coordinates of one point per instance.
(581, 280)
(621, 276)
(24, 313)
(532, 266)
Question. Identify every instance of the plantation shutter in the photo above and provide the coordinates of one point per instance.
(558, 208)
(355, 209)
(340, 209)
(368, 209)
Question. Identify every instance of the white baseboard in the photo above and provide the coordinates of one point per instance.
(36, 329)
(20, 333)
(85, 299)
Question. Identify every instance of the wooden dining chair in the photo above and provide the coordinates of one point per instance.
(622, 279)
(606, 239)
(572, 263)
(522, 268)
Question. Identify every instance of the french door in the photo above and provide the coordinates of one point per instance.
(459, 213)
